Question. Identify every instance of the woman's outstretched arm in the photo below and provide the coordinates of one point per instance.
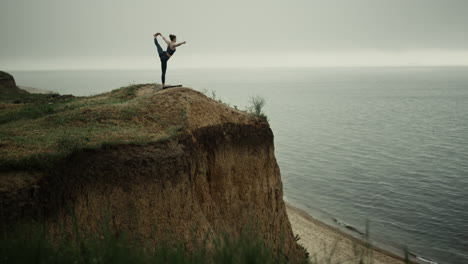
(167, 42)
(178, 44)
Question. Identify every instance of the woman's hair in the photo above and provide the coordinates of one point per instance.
(172, 37)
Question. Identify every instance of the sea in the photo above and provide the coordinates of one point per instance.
(378, 147)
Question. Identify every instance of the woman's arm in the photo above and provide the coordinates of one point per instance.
(167, 42)
(178, 44)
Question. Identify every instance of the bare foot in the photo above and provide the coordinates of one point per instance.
(157, 34)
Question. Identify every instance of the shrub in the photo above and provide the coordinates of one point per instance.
(256, 107)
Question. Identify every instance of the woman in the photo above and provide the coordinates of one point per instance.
(165, 55)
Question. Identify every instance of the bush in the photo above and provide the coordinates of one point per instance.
(256, 107)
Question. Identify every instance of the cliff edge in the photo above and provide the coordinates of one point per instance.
(8, 84)
(149, 160)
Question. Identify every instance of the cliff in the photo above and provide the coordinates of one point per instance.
(151, 161)
(8, 84)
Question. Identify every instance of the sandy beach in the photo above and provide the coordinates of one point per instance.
(328, 244)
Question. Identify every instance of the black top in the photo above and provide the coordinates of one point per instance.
(170, 51)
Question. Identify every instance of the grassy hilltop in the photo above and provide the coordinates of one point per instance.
(36, 129)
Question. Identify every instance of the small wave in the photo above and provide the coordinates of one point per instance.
(354, 229)
(347, 226)
(423, 260)
(380, 243)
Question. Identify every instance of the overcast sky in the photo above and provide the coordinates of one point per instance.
(118, 34)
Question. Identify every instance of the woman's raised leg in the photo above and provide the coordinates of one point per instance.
(158, 46)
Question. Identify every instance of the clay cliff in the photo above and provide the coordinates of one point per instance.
(197, 165)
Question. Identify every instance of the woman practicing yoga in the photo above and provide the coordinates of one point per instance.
(165, 55)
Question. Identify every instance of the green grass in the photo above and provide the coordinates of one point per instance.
(31, 107)
(64, 142)
(48, 127)
(36, 131)
(30, 244)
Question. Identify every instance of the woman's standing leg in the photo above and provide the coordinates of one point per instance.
(163, 69)
(163, 61)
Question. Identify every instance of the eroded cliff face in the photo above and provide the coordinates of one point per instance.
(212, 178)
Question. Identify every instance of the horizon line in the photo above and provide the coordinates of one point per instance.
(240, 67)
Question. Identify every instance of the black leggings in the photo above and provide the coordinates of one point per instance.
(164, 58)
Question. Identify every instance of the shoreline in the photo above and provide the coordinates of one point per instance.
(34, 90)
(330, 244)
